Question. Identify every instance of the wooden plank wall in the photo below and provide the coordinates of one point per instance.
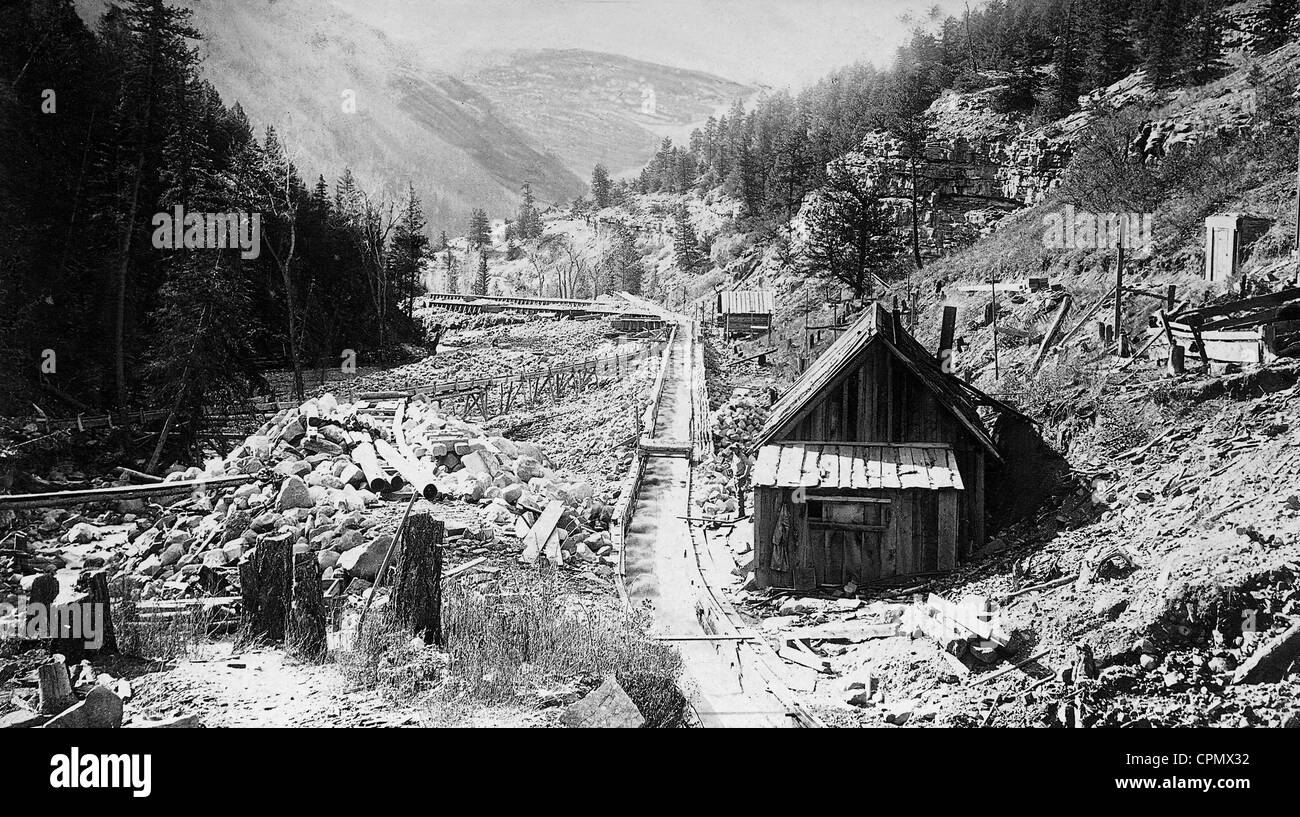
(921, 537)
(879, 400)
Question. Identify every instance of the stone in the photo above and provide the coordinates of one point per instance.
(1148, 661)
(527, 468)
(352, 475)
(293, 494)
(606, 707)
(347, 540)
(102, 709)
(215, 558)
(171, 555)
(82, 533)
(22, 719)
(178, 722)
(363, 562)
(327, 558)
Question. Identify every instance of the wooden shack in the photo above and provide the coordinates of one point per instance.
(1228, 239)
(744, 311)
(872, 466)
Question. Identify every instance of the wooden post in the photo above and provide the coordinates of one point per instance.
(947, 330)
(997, 374)
(305, 630)
(94, 583)
(265, 582)
(1176, 363)
(1170, 293)
(417, 594)
(54, 688)
(1119, 299)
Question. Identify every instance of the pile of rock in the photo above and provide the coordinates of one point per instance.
(713, 490)
(738, 422)
(516, 483)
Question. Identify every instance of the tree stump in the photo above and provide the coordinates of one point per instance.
(417, 594)
(305, 632)
(266, 584)
(94, 583)
(54, 687)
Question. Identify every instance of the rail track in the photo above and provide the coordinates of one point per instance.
(666, 566)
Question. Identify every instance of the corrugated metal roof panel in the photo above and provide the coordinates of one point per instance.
(747, 301)
(857, 466)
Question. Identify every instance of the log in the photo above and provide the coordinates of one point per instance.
(305, 631)
(138, 476)
(1031, 659)
(376, 480)
(417, 595)
(420, 479)
(58, 499)
(1270, 662)
(1051, 332)
(266, 584)
(54, 687)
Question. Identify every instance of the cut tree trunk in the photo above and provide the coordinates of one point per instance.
(417, 595)
(306, 627)
(94, 583)
(265, 584)
(54, 688)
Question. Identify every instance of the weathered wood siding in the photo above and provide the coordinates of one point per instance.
(920, 537)
(877, 399)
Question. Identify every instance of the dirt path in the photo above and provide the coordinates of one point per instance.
(263, 687)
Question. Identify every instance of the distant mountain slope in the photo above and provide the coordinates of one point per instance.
(289, 63)
(588, 107)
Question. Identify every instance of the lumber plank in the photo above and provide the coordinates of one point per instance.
(57, 499)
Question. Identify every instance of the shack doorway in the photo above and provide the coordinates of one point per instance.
(846, 536)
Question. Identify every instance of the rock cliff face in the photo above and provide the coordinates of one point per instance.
(980, 165)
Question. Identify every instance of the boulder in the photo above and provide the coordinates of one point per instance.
(363, 562)
(607, 707)
(293, 494)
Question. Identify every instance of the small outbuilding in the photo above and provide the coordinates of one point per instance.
(745, 311)
(1228, 239)
(872, 466)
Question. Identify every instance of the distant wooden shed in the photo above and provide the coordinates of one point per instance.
(871, 466)
(1228, 239)
(745, 311)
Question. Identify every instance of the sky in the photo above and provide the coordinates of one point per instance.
(780, 43)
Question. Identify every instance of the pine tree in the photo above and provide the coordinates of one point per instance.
(1065, 83)
(600, 187)
(408, 248)
(1203, 46)
(1107, 53)
(1161, 43)
(685, 243)
(529, 225)
(849, 237)
(480, 229)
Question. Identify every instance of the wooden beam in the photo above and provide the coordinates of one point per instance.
(58, 499)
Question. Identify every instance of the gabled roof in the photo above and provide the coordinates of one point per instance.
(877, 326)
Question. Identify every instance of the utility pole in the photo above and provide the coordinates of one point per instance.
(1119, 296)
